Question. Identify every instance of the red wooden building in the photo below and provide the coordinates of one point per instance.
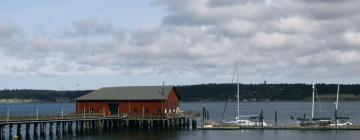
(133, 101)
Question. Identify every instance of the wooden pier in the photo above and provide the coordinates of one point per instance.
(41, 127)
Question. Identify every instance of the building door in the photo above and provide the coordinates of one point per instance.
(113, 108)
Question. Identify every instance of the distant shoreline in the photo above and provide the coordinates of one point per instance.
(206, 93)
(27, 101)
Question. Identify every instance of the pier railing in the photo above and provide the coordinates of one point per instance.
(79, 116)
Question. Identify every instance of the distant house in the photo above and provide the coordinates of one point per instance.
(133, 101)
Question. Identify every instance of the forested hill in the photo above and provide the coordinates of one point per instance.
(208, 92)
(265, 92)
(41, 95)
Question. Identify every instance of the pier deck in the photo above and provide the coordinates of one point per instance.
(28, 127)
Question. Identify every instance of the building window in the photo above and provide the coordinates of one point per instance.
(146, 110)
(158, 110)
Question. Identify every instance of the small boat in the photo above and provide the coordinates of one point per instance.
(246, 120)
(314, 121)
(324, 121)
(338, 120)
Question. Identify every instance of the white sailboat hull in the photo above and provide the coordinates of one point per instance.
(240, 122)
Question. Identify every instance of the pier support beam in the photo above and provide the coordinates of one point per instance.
(36, 132)
(193, 124)
(187, 123)
(63, 128)
(18, 130)
(43, 130)
(27, 129)
(10, 131)
(51, 134)
(2, 132)
(70, 128)
(276, 118)
(57, 131)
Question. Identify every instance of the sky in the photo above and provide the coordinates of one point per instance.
(88, 44)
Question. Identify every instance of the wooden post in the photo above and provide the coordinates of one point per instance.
(70, 128)
(27, 129)
(63, 128)
(275, 118)
(193, 124)
(100, 126)
(2, 126)
(18, 131)
(51, 129)
(261, 119)
(36, 132)
(187, 123)
(76, 128)
(10, 132)
(304, 116)
(42, 130)
(57, 129)
(2, 134)
(203, 115)
(81, 127)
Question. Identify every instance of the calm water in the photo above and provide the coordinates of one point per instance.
(285, 109)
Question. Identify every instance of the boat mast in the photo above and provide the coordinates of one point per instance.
(238, 94)
(313, 96)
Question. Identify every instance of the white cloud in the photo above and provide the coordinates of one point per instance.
(8, 30)
(352, 38)
(284, 38)
(269, 40)
(295, 24)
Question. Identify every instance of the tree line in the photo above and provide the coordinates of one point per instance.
(203, 92)
(273, 92)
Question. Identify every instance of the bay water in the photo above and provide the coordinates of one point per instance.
(216, 109)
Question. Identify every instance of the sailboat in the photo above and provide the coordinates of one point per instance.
(248, 120)
(339, 121)
(314, 121)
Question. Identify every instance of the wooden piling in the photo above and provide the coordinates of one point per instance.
(70, 128)
(81, 127)
(36, 132)
(276, 118)
(57, 124)
(18, 131)
(27, 131)
(10, 132)
(77, 128)
(63, 128)
(51, 124)
(193, 124)
(187, 123)
(2, 133)
(42, 129)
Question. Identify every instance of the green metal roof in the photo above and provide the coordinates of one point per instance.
(129, 93)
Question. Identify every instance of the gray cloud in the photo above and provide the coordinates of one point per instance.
(268, 38)
(8, 30)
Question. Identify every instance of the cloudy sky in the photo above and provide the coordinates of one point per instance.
(87, 44)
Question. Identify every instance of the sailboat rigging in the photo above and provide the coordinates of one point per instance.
(339, 121)
(248, 120)
(313, 121)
